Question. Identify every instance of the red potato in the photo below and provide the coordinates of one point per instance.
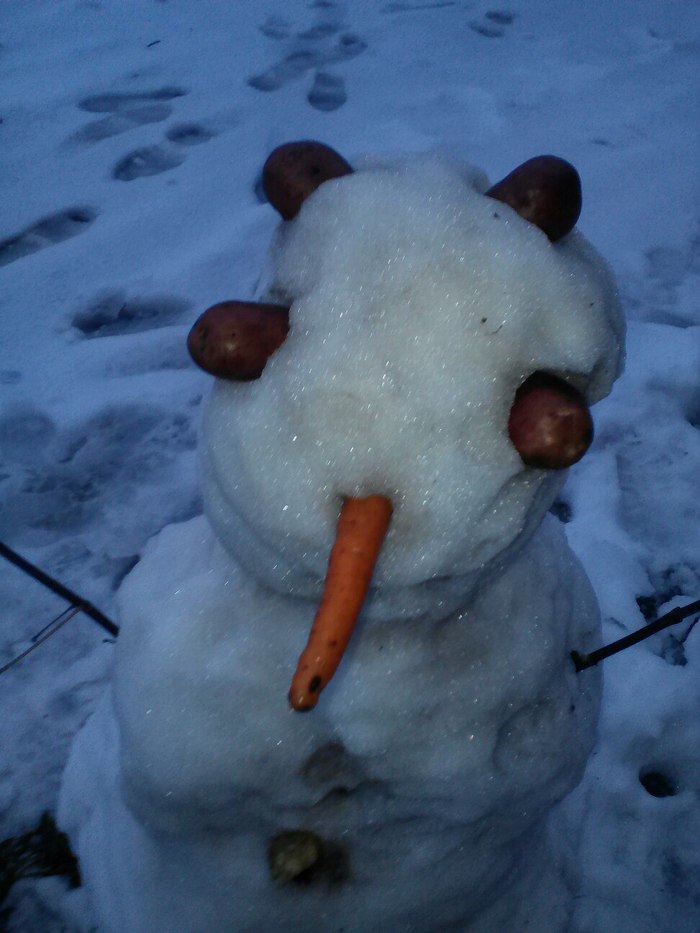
(295, 170)
(549, 425)
(235, 339)
(546, 191)
(360, 533)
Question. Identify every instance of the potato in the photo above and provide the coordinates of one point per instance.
(546, 191)
(295, 170)
(549, 425)
(235, 339)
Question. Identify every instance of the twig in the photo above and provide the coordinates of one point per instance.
(48, 630)
(582, 661)
(82, 605)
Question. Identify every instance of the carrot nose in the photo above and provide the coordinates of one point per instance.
(360, 533)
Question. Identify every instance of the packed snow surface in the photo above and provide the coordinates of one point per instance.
(132, 139)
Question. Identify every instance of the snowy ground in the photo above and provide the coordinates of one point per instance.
(132, 139)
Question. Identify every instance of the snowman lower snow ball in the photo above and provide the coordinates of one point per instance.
(389, 426)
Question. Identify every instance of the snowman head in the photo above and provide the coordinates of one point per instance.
(420, 336)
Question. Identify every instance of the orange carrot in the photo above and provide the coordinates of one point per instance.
(362, 527)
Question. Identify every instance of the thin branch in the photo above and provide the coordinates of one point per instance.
(73, 598)
(582, 661)
(48, 630)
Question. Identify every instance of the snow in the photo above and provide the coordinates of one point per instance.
(100, 404)
(418, 308)
(437, 804)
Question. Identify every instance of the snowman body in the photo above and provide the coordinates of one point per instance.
(428, 773)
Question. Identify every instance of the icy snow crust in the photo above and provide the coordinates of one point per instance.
(456, 721)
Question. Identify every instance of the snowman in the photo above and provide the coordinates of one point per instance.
(343, 699)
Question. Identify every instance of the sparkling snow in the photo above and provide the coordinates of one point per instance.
(132, 141)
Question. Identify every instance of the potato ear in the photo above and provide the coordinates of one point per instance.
(546, 191)
(549, 425)
(235, 339)
(295, 170)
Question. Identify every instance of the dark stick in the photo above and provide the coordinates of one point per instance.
(48, 631)
(77, 601)
(582, 661)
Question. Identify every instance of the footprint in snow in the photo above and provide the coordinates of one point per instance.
(127, 111)
(140, 108)
(323, 44)
(189, 134)
(122, 122)
(117, 103)
(275, 27)
(112, 313)
(665, 293)
(413, 7)
(154, 160)
(327, 92)
(46, 232)
(75, 478)
(493, 24)
(149, 160)
(299, 60)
